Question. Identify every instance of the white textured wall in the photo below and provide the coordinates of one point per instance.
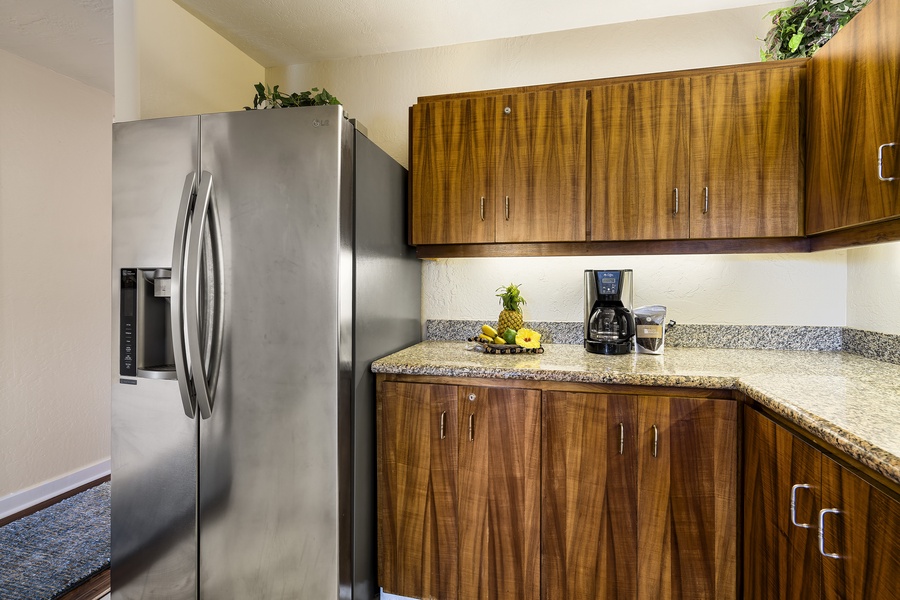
(185, 67)
(873, 288)
(788, 289)
(55, 152)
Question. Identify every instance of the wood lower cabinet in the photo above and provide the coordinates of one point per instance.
(499, 168)
(792, 549)
(854, 109)
(459, 491)
(639, 497)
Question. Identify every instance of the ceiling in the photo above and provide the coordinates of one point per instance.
(75, 37)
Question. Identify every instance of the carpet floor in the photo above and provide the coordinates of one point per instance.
(46, 554)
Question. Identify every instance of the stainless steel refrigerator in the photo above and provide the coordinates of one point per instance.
(259, 265)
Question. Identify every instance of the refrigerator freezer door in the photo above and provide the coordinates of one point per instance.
(154, 445)
(269, 452)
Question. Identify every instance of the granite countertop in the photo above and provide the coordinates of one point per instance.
(846, 400)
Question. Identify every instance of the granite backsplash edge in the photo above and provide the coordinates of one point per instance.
(869, 344)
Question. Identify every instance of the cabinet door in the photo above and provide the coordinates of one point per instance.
(780, 559)
(542, 167)
(864, 536)
(579, 438)
(640, 149)
(417, 491)
(499, 493)
(454, 144)
(745, 154)
(854, 106)
(687, 498)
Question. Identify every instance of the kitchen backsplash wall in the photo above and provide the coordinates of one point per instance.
(873, 288)
(750, 289)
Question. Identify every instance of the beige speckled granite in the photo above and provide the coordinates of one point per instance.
(846, 400)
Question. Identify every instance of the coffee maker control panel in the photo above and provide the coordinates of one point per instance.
(608, 282)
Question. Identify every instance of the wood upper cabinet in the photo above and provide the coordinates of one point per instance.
(706, 156)
(505, 168)
(812, 528)
(640, 153)
(746, 157)
(459, 491)
(854, 109)
(639, 497)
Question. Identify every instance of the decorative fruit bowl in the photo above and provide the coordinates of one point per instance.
(523, 341)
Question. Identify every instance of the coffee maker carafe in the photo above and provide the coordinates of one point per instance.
(608, 320)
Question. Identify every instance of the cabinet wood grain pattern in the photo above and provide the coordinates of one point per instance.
(417, 491)
(781, 560)
(499, 493)
(640, 152)
(639, 497)
(542, 167)
(745, 154)
(454, 145)
(864, 534)
(853, 109)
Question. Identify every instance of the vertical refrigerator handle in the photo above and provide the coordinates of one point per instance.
(176, 308)
(204, 374)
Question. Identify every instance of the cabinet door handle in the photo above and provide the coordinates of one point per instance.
(675, 212)
(621, 438)
(471, 427)
(482, 208)
(881, 162)
(443, 424)
(794, 489)
(507, 208)
(655, 449)
(822, 514)
(705, 200)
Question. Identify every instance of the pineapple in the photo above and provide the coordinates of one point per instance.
(511, 315)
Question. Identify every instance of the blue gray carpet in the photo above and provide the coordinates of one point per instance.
(46, 554)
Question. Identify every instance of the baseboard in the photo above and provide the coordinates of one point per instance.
(22, 501)
(386, 596)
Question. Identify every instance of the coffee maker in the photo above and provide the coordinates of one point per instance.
(608, 319)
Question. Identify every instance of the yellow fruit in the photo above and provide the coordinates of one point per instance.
(499, 340)
(528, 338)
(485, 338)
(488, 330)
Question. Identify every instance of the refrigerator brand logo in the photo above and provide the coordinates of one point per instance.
(321, 123)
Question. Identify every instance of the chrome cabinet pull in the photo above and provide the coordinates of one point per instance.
(794, 489)
(881, 162)
(507, 208)
(675, 212)
(655, 440)
(705, 200)
(482, 208)
(621, 438)
(443, 423)
(822, 514)
(471, 427)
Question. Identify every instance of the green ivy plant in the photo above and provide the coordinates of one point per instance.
(804, 27)
(271, 98)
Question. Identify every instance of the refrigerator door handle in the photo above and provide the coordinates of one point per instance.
(205, 374)
(176, 308)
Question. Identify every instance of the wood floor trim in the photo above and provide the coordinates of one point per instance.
(93, 589)
(58, 498)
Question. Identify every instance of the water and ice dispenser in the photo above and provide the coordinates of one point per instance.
(145, 336)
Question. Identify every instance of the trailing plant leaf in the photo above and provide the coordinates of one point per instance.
(272, 98)
(804, 27)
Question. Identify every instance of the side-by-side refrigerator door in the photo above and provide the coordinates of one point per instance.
(154, 432)
(269, 446)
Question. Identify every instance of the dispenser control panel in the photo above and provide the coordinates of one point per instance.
(128, 323)
(608, 282)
